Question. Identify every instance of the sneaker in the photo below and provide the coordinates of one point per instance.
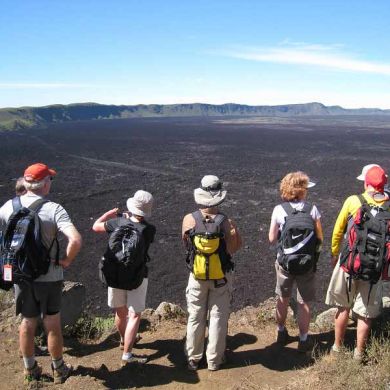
(32, 374)
(192, 365)
(134, 359)
(282, 337)
(213, 367)
(61, 373)
(335, 351)
(358, 356)
(305, 346)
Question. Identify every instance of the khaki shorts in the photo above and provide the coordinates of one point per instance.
(305, 284)
(134, 300)
(363, 302)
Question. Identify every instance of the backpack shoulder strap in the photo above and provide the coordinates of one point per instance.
(219, 218)
(16, 203)
(198, 217)
(307, 207)
(287, 208)
(361, 199)
(35, 206)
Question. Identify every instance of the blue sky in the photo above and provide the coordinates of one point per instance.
(249, 52)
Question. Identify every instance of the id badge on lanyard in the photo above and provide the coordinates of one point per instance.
(7, 273)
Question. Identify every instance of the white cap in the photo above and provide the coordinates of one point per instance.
(365, 169)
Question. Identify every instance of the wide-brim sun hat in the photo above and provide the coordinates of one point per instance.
(141, 203)
(210, 192)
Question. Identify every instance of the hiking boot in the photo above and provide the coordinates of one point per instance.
(282, 337)
(61, 373)
(192, 365)
(32, 374)
(134, 359)
(305, 346)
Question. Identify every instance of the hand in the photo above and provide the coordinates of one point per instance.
(112, 212)
(65, 263)
(334, 260)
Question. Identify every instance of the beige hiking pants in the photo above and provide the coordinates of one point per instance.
(205, 300)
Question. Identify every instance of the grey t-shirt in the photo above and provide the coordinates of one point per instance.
(54, 219)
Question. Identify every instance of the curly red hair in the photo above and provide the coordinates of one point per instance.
(293, 186)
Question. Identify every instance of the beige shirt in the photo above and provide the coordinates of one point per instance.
(232, 236)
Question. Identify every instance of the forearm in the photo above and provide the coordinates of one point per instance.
(98, 225)
(73, 247)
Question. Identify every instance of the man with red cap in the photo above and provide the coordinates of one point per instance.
(42, 297)
(362, 296)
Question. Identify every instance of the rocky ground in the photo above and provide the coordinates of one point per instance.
(254, 361)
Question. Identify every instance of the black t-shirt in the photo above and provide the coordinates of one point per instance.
(149, 232)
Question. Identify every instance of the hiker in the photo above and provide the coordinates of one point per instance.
(347, 291)
(127, 286)
(210, 284)
(42, 296)
(297, 254)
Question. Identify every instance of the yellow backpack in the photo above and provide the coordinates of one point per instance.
(207, 256)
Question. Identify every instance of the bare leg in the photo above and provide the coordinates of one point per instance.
(281, 310)
(303, 318)
(362, 333)
(52, 324)
(121, 320)
(340, 326)
(26, 336)
(133, 322)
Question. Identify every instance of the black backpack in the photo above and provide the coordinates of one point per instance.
(297, 241)
(366, 253)
(21, 245)
(124, 261)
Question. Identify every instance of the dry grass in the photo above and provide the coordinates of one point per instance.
(342, 372)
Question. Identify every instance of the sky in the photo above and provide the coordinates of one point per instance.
(255, 52)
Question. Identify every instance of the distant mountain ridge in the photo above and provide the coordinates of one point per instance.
(28, 117)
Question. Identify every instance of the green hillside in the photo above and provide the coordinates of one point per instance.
(29, 117)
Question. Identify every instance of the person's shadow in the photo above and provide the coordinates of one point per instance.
(153, 374)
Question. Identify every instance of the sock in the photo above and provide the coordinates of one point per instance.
(57, 362)
(29, 362)
(127, 355)
(281, 328)
(303, 337)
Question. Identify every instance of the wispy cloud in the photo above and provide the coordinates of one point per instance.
(301, 53)
(45, 85)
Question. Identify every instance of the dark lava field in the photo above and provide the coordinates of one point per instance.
(101, 163)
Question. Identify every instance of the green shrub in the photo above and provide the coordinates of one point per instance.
(90, 327)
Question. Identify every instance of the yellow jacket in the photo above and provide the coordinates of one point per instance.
(350, 207)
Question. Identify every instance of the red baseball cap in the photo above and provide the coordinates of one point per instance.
(376, 178)
(37, 172)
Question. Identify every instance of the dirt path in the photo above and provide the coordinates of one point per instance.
(254, 361)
